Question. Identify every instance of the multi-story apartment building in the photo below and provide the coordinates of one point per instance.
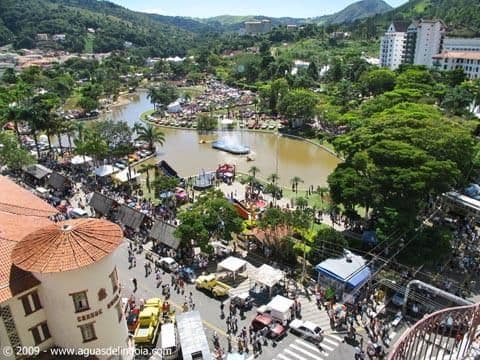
(468, 61)
(257, 27)
(393, 45)
(429, 41)
(413, 43)
(461, 44)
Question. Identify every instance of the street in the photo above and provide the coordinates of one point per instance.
(290, 347)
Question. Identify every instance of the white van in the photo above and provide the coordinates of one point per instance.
(169, 342)
(77, 213)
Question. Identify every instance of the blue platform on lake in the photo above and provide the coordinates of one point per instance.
(235, 149)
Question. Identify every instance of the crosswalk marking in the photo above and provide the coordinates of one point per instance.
(290, 352)
(335, 337)
(303, 351)
(328, 347)
(281, 356)
(310, 346)
(330, 341)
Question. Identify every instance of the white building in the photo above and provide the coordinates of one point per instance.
(393, 44)
(469, 61)
(58, 284)
(414, 43)
(461, 44)
(429, 41)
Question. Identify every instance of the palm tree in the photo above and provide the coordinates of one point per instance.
(150, 134)
(153, 96)
(301, 202)
(145, 169)
(273, 178)
(253, 171)
(69, 130)
(294, 181)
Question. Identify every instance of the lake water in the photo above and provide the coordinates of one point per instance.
(184, 152)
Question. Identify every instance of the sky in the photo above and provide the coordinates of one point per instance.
(272, 8)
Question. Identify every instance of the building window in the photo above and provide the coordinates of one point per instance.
(119, 311)
(114, 280)
(80, 301)
(88, 332)
(31, 302)
(40, 333)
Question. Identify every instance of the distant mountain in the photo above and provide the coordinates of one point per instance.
(359, 10)
(355, 11)
(461, 16)
(235, 23)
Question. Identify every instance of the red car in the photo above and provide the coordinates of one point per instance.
(268, 327)
(132, 319)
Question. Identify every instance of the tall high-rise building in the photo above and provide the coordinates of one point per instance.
(393, 44)
(414, 43)
(429, 41)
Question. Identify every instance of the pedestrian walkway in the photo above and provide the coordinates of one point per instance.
(311, 312)
(303, 350)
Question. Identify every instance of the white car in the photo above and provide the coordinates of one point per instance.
(307, 330)
(168, 264)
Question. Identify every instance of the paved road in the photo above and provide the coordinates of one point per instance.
(291, 347)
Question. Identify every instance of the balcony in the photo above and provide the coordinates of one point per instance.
(446, 334)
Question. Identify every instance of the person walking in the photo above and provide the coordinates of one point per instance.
(134, 281)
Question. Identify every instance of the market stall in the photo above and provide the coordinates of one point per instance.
(232, 264)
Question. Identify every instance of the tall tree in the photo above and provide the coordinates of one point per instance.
(150, 134)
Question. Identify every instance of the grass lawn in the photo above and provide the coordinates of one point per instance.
(72, 101)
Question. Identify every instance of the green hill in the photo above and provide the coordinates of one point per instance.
(114, 25)
(461, 16)
(355, 11)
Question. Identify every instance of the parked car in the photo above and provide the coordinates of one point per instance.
(268, 327)
(307, 330)
(168, 264)
(398, 299)
(187, 274)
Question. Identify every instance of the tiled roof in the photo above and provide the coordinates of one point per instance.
(469, 55)
(270, 236)
(21, 212)
(67, 245)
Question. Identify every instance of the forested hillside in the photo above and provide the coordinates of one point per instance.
(461, 16)
(20, 21)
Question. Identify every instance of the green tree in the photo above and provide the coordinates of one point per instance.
(212, 216)
(206, 122)
(378, 81)
(11, 154)
(298, 104)
(150, 134)
(327, 243)
(295, 181)
(457, 100)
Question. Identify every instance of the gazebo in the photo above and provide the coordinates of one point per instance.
(232, 264)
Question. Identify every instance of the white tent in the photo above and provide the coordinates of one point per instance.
(79, 160)
(268, 276)
(232, 264)
(123, 176)
(227, 122)
(174, 107)
(281, 304)
(105, 170)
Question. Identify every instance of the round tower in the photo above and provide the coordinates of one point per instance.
(79, 289)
